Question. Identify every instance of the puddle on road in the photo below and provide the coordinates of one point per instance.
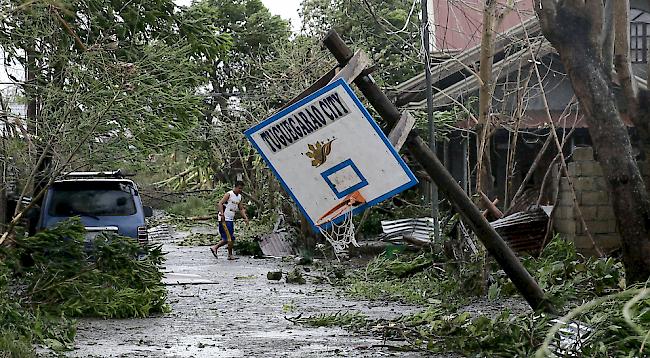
(299, 332)
(173, 278)
(201, 346)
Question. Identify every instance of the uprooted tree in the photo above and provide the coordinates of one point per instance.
(575, 28)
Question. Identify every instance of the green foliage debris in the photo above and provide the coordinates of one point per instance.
(200, 239)
(415, 279)
(566, 276)
(49, 278)
(248, 247)
(296, 276)
(591, 290)
(194, 206)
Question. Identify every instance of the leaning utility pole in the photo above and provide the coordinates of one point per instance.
(521, 278)
(432, 127)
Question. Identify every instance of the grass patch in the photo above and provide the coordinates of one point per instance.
(13, 345)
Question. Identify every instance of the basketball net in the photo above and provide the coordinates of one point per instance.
(341, 235)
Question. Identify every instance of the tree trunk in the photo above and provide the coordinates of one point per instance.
(484, 181)
(574, 29)
(608, 36)
(614, 151)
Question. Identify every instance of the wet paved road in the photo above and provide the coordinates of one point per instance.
(230, 309)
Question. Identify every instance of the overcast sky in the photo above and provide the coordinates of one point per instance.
(287, 9)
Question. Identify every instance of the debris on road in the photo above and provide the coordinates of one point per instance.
(416, 231)
(274, 275)
(296, 277)
(276, 244)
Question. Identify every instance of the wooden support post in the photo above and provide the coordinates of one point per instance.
(401, 130)
(357, 64)
(530, 172)
(524, 282)
(491, 206)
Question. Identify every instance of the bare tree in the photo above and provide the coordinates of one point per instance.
(483, 131)
(575, 28)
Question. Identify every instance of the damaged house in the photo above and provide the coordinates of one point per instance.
(532, 96)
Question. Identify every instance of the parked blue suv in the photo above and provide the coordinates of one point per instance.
(105, 202)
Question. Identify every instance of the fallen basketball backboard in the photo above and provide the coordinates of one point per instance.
(326, 149)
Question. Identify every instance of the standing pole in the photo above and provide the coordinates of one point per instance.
(522, 280)
(432, 127)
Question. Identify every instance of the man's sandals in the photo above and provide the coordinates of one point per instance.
(214, 253)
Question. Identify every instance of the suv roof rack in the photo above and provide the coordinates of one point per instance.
(117, 174)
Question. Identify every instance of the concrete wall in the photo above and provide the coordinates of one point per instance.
(592, 200)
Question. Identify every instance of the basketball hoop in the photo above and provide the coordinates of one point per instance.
(341, 235)
(326, 149)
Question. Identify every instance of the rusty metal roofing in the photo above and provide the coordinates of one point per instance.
(524, 231)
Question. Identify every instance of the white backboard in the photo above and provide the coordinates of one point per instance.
(327, 146)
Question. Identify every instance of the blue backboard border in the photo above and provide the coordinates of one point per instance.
(340, 82)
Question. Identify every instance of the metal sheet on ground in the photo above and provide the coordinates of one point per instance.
(172, 278)
(276, 245)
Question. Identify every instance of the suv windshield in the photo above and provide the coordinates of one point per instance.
(92, 198)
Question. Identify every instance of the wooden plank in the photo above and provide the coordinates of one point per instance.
(359, 62)
(400, 132)
(491, 206)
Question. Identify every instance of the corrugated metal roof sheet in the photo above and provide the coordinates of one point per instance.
(276, 244)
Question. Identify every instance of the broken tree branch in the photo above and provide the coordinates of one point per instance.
(563, 165)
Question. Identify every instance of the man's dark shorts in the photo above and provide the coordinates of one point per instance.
(230, 226)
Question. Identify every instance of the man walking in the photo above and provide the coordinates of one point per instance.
(228, 206)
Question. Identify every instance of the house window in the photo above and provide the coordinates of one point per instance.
(639, 40)
(639, 35)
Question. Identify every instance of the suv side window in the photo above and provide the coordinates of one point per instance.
(93, 198)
